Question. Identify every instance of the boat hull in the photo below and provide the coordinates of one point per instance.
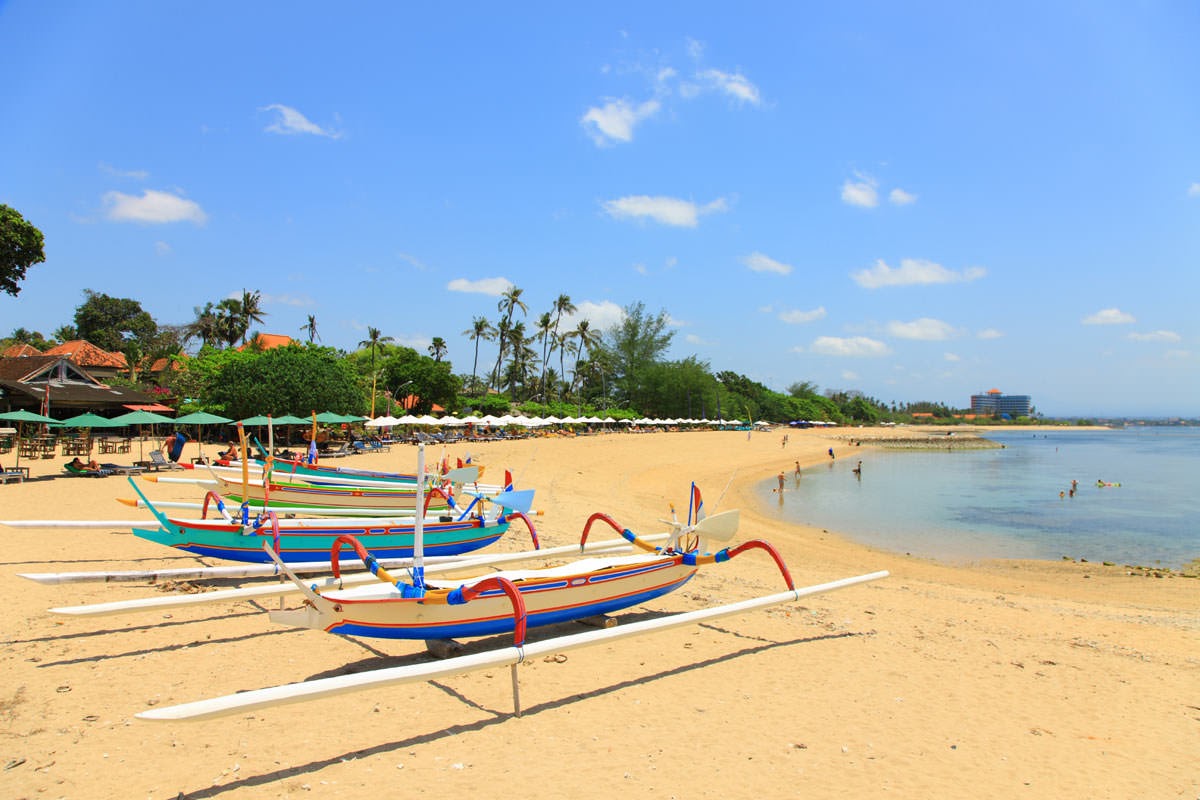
(559, 597)
(296, 545)
(286, 495)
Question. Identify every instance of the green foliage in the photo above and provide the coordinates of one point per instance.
(495, 404)
(431, 381)
(632, 346)
(108, 322)
(285, 380)
(31, 338)
(21, 246)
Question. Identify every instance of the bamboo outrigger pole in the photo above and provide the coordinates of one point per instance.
(344, 684)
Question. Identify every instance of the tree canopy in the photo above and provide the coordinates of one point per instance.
(21, 246)
(108, 322)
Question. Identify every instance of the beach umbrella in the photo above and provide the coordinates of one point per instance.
(140, 418)
(199, 418)
(88, 420)
(330, 418)
(20, 417)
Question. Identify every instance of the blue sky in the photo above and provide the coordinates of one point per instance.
(916, 200)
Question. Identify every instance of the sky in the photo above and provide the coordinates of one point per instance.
(918, 201)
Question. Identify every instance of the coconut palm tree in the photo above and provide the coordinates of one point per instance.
(510, 301)
(438, 348)
(252, 311)
(480, 328)
(562, 307)
(374, 340)
(544, 327)
(310, 328)
(206, 327)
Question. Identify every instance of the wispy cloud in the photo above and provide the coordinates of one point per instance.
(162, 249)
(1109, 316)
(732, 84)
(899, 197)
(1156, 336)
(924, 329)
(951, 357)
(1194, 190)
(489, 286)
(615, 120)
(861, 191)
(289, 121)
(294, 300)
(855, 346)
(663, 210)
(990, 333)
(153, 207)
(797, 317)
(135, 174)
(914, 271)
(760, 262)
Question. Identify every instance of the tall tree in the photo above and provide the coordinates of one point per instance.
(231, 322)
(480, 328)
(438, 348)
(310, 328)
(562, 307)
(252, 311)
(510, 301)
(21, 246)
(374, 340)
(206, 326)
(545, 327)
(108, 322)
(635, 343)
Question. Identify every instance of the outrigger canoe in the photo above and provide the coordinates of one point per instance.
(511, 601)
(308, 540)
(284, 494)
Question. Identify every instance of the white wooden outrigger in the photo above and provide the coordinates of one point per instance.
(507, 656)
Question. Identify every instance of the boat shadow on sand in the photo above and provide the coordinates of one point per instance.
(495, 717)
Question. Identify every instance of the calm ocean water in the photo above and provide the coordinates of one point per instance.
(1004, 503)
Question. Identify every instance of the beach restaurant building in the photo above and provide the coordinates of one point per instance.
(994, 402)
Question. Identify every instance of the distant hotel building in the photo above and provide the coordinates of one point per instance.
(994, 402)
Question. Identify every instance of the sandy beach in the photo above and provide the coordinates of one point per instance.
(990, 680)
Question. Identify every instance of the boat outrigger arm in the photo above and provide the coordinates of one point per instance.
(510, 656)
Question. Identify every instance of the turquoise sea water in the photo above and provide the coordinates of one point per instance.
(1004, 503)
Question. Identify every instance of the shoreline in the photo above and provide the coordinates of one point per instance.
(992, 675)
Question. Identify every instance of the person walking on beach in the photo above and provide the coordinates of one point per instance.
(831, 452)
(858, 471)
(797, 469)
(781, 483)
(785, 438)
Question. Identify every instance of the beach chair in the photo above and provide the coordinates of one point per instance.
(18, 474)
(123, 469)
(159, 461)
(341, 452)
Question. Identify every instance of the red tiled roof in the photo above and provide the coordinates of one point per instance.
(21, 350)
(86, 354)
(269, 341)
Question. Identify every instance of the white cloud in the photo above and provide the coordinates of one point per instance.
(692, 338)
(913, 271)
(736, 85)
(796, 317)
(990, 333)
(1109, 316)
(862, 192)
(899, 197)
(600, 316)
(1156, 336)
(849, 375)
(413, 260)
(290, 121)
(489, 286)
(135, 174)
(153, 207)
(1194, 190)
(855, 346)
(924, 329)
(760, 262)
(952, 357)
(664, 210)
(162, 249)
(615, 120)
(296, 300)
(676, 323)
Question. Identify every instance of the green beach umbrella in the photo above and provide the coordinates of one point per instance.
(330, 418)
(250, 422)
(20, 417)
(89, 420)
(291, 419)
(199, 418)
(142, 418)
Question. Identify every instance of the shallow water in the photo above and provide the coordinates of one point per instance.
(1004, 503)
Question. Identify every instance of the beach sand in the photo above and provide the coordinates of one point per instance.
(990, 680)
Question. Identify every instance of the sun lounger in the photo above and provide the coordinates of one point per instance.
(158, 462)
(75, 472)
(18, 474)
(123, 469)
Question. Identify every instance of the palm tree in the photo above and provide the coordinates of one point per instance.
(480, 328)
(562, 307)
(510, 301)
(230, 321)
(311, 328)
(206, 326)
(586, 338)
(544, 327)
(438, 348)
(252, 310)
(374, 340)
